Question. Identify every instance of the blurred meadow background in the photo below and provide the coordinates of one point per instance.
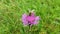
(11, 13)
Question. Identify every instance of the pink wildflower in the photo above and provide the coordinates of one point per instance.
(30, 19)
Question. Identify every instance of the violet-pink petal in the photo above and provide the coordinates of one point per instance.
(30, 18)
(25, 22)
(36, 20)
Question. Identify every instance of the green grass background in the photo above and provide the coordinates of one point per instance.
(11, 12)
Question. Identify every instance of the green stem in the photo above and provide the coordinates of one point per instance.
(29, 28)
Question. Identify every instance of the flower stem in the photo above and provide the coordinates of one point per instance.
(29, 27)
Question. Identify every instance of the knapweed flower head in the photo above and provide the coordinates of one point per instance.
(30, 19)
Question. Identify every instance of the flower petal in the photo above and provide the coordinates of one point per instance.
(36, 20)
(25, 22)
